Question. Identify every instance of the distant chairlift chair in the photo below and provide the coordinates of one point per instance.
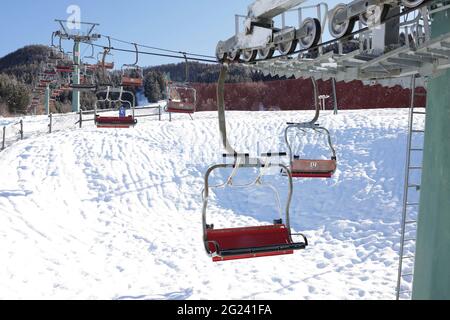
(86, 81)
(310, 168)
(181, 99)
(132, 74)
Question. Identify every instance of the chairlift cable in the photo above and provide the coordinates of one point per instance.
(155, 54)
(159, 49)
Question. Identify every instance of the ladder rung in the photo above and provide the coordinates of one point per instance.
(407, 275)
(418, 131)
(416, 149)
(413, 186)
(419, 94)
(415, 168)
(411, 222)
(410, 239)
(408, 257)
(405, 291)
(413, 204)
(419, 112)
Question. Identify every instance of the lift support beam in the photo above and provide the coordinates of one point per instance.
(432, 266)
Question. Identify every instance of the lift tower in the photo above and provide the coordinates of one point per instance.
(432, 263)
(77, 36)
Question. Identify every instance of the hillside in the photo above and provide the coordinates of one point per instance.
(24, 64)
(206, 73)
(18, 74)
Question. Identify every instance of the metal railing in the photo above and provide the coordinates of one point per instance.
(140, 112)
(39, 125)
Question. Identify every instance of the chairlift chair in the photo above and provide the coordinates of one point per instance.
(104, 66)
(65, 87)
(254, 241)
(55, 55)
(50, 72)
(56, 51)
(132, 74)
(56, 93)
(92, 67)
(102, 63)
(181, 99)
(101, 57)
(87, 82)
(302, 167)
(64, 66)
(64, 69)
(43, 84)
(115, 121)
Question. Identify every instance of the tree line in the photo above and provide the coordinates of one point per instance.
(155, 78)
(19, 73)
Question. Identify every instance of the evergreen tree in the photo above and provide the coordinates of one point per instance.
(153, 86)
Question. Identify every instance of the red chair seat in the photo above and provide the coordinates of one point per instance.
(132, 82)
(313, 168)
(106, 65)
(250, 242)
(180, 107)
(64, 69)
(114, 122)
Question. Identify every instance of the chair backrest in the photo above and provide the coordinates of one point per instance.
(314, 166)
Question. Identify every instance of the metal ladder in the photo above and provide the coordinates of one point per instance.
(409, 224)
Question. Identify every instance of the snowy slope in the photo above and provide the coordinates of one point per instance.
(116, 214)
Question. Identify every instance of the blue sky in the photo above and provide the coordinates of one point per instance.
(194, 26)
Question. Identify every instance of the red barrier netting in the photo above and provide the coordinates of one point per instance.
(298, 95)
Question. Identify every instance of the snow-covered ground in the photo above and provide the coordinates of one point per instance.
(116, 214)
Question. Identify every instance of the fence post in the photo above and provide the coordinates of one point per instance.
(335, 98)
(159, 112)
(21, 129)
(4, 138)
(81, 119)
(51, 123)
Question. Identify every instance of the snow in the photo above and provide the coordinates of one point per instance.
(5, 121)
(271, 8)
(116, 214)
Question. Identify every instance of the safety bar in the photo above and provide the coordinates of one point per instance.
(307, 126)
(274, 154)
(236, 155)
(301, 235)
(256, 250)
(121, 92)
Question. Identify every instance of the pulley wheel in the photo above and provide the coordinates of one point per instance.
(249, 55)
(313, 33)
(340, 29)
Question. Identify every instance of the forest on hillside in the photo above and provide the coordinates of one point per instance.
(19, 74)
